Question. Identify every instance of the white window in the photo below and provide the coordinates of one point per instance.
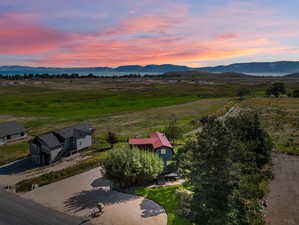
(163, 151)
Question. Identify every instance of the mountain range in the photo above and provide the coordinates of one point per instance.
(283, 67)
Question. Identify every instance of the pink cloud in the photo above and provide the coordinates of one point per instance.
(162, 36)
(20, 37)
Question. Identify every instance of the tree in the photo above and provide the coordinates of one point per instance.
(242, 92)
(173, 131)
(276, 89)
(129, 167)
(111, 138)
(296, 93)
(247, 128)
(211, 174)
(225, 167)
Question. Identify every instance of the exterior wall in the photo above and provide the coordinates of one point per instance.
(69, 144)
(168, 153)
(54, 154)
(2, 141)
(34, 153)
(84, 142)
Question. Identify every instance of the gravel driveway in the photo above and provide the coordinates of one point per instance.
(78, 195)
(283, 199)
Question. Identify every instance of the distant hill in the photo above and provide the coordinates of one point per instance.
(152, 68)
(207, 75)
(131, 69)
(256, 67)
(293, 75)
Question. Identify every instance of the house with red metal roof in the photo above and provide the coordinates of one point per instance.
(156, 142)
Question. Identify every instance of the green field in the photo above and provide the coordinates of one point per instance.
(12, 152)
(81, 105)
(166, 197)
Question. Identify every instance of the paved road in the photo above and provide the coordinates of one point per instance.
(17, 211)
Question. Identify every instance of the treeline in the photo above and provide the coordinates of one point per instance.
(67, 76)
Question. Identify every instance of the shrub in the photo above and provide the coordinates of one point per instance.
(111, 138)
(128, 167)
(276, 89)
(296, 93)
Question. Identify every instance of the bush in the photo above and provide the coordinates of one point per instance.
(276, 89)
(128, 167)
(296, 93)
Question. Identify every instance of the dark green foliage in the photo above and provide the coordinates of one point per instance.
(226, 167)
(173, 131)
(276, 89)
(242, 92)
(247, 129)
(111, 138)
(129, 167)
(296, 93)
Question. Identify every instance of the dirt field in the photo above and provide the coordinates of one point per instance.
(283, 199)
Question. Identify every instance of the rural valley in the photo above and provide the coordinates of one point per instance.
(128, 107)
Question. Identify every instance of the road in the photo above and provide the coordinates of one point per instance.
(17, 211)
(283, 199)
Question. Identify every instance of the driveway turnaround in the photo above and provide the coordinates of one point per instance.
(17, 211)
(78, 196)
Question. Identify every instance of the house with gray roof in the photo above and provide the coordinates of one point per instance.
(11, 131)
(52, 146)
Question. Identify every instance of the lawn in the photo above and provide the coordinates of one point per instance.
(13, 152)
(166, 197)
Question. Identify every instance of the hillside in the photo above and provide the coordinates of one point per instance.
(293, 75)
(257, 67)
(207, 75)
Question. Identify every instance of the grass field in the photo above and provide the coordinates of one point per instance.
(280, 117)
(166, 197)
(13, 152)
(126, 112)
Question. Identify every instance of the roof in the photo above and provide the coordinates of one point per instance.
(56, 138)
(156, 139)
(10, 128)
(70, 131)
(50, 140)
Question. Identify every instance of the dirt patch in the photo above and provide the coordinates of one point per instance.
(283, 199)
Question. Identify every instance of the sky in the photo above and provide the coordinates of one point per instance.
(84, 33)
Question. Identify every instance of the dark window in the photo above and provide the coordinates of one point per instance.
(8, 137)
(22, 134)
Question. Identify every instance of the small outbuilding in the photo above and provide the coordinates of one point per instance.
(11, 131)
(156, 142)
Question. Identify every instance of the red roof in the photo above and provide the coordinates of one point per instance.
(156, 139)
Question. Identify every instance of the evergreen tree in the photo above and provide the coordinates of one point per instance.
(111, 138)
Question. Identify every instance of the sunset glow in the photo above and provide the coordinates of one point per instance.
(126, 32)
